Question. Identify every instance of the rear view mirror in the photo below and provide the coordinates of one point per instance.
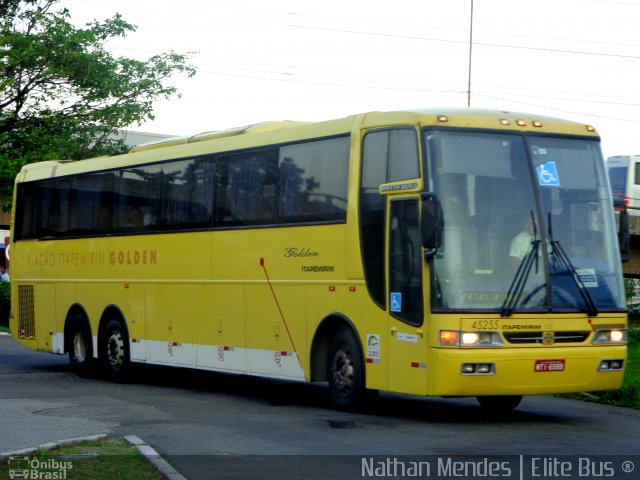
(431, 224)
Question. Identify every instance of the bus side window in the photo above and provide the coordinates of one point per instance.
(246, 188)
(55, 211)
(136, 191)
(313, 181)
(91, 200)
(187, 195)
(403, 155)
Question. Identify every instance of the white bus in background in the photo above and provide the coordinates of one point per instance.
(624, 176)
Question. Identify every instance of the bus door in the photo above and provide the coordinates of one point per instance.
(407, 339)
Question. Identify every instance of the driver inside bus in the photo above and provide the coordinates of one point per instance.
(521, 243)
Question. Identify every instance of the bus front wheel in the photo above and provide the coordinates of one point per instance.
(115, 350)
(80, 348)
(345, 371)
(500, 403)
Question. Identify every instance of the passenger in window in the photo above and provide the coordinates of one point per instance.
(149, 219)
(134, 217)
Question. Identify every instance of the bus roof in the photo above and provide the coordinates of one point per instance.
(201, 137)
(277, 132)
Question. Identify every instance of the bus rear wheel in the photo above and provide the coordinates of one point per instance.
(345, 372)
(500, 403)
(115, 350)
(80, 348)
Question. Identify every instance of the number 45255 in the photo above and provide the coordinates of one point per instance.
(485, 325)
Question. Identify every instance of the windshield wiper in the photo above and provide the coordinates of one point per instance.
(565, 262)
(519, 281)
(522, 275)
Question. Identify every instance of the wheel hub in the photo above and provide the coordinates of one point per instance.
(343, 371)
(116, 350)
(79, 348)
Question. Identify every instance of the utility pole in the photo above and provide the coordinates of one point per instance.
(470, 49)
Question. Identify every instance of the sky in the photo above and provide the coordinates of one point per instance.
(316, 60)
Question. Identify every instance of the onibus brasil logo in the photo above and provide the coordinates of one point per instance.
(38, 469)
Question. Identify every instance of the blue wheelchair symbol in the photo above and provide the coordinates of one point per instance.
(396, 302)
(548, 175)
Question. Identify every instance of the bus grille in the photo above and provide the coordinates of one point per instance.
(539, 337)
(26, 318)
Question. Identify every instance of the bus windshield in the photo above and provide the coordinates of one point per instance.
(523, 212)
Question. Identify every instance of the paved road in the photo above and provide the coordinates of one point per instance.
(203, 421)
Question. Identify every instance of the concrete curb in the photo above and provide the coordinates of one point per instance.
(4, 457)
(154, 458)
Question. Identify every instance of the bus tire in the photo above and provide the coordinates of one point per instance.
(500, 403)
(115, 350)
(80, 347)
(345, 371)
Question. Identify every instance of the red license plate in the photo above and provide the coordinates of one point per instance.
(549, 366)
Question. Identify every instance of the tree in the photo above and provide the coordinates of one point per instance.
(62, 94)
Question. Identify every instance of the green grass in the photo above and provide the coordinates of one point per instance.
(99, 460)
(4, 329)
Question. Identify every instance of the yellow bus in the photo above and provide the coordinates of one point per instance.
(436, 253)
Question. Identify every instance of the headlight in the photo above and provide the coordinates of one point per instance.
(455, 338)
(470, 338)
(614, 336)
